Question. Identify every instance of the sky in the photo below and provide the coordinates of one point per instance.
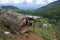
(29, 3)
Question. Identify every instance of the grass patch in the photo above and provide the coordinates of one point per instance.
(1, 37)
(46, 32)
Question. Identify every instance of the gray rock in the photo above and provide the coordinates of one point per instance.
(14, 22)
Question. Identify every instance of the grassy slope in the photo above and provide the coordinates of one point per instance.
(1, 25)
(48, 33)
(52, 13)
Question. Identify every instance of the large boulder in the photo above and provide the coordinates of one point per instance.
(16, 23)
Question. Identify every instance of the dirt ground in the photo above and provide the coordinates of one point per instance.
(29, 36)
(25, 36)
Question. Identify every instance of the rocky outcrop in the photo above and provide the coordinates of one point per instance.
(16, 23)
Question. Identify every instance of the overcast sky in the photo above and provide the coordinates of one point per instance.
(29, 3)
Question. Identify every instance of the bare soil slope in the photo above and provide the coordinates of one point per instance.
(29, 36)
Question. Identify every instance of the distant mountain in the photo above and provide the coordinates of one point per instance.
(30, 7)
(24, 6)
(49, 10)
(15, 9)
(10, 7)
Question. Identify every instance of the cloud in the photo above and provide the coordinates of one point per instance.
(29, 1)
(44, 2)
(3, 1)
(21, 1)
(40, 2)
(11, 1)
(49, 1)
(16, 1)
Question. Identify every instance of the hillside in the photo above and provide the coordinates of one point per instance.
(43, 29)
(52, 13)
(48, 26)
(52, 8)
